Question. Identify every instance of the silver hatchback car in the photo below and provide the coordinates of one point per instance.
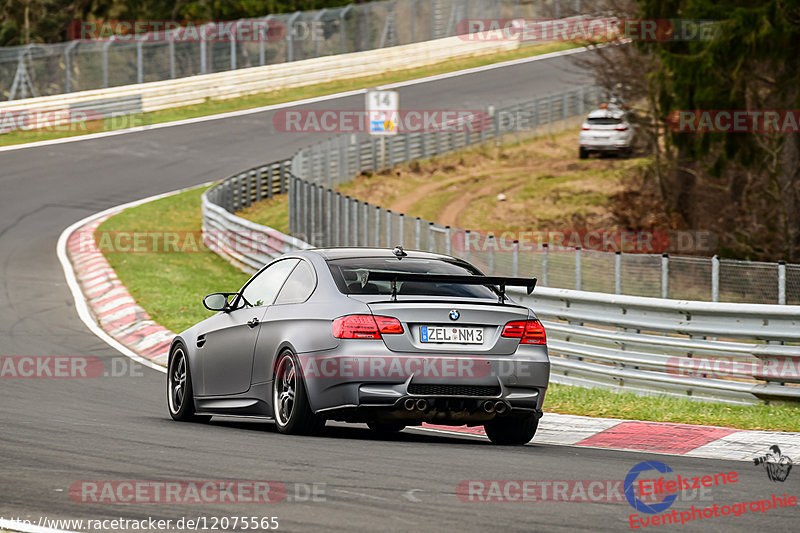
(606, 130)
(386, 337)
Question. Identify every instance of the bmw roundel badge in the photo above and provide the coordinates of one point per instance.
(454, 314)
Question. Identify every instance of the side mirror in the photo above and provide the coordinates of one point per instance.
(217, 301)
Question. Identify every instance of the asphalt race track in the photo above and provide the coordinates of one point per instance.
(57, 432)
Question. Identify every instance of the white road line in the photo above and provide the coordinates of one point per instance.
(244, 112)
(81, 305)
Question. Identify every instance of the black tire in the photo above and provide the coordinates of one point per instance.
(290, 407)
(511, 431)
(386, 428)
(180, 395)
(583, 153)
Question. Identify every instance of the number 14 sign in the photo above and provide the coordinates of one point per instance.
(382, 108)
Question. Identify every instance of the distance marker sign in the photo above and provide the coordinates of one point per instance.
(382, 108)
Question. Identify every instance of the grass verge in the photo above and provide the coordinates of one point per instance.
(596, 402)
(170, 286)
(544, 186)
(212, 107)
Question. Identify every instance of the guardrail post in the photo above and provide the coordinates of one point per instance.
(305, 210)
(312, 238)
(314, 32)
(339, 220)
(284, 175)
(104, 64)
(292, 209)
(447, 244)
(290, 37)
(665, 275)
(578, 280)
(388, 228)
(545, 251)
(402, 229)
(466, 244)
(618, 273)
(68, 66)
(139, 62)
(343, 35)
(378, 226)
(203, 52)
(355, 233)
(346, 220)
(430, 236)
(515, 262)
(418, 230)
(781, 282)
(328, 217)
(715, 278)
(366, 224)
(491, 254)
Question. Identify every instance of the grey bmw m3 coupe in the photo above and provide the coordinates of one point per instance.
(384, 337)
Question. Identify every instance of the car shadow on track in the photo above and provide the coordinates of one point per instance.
(335, 430)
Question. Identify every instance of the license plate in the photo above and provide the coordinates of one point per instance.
(451, 335)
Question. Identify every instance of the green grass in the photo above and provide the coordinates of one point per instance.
(170, 286)
(273, 212)
(596, 402)
(212, 107)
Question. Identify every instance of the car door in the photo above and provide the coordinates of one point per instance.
(229, 339)
(281, 321)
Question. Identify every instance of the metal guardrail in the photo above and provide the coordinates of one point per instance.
(50, 69)
(246, 245)
(723, 352)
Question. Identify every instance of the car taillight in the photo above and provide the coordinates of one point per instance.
(586, 128)
(528, 331)
(621, 128)
(365, 326)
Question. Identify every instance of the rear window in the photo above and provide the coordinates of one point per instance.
(347, 275)
(604, 121)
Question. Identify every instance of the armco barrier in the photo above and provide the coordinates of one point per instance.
(723, 352)
(100, 59)
(155, 96)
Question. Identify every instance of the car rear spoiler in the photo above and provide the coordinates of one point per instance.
(499, 281)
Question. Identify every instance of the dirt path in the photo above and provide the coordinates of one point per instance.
(547, 186)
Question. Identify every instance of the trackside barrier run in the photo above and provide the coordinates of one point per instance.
(98, 61)
(722, 352)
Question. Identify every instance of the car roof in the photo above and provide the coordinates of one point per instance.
(607, 113)
(354, 253)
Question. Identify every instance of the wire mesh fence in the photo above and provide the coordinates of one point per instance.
(96, 61)
(351, 222)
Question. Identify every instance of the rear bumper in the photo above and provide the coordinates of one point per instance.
(454, 387)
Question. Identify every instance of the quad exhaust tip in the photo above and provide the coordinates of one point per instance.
(488, 406)
(500, 408)
(422, 405)
(409, 404)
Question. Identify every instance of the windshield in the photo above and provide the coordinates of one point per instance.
(347, 275)
(604, 121)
